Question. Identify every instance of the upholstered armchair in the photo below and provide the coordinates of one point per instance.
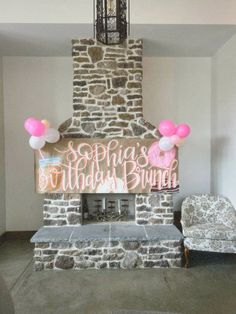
(209, 224)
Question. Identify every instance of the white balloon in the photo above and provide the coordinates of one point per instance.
(165, 144)
(51, 135)
(37, 142)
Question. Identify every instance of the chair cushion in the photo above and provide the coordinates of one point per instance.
(221, 246)
(210, 231)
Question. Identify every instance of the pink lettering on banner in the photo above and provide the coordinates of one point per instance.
(105, 166)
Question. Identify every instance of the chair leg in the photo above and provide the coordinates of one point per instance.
(186, 255)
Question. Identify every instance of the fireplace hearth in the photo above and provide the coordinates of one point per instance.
(107, 230)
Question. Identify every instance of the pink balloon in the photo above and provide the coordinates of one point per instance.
(183, 130)
(160, 159)
(167, 128)
(28, 122)
(34, 127)
(175, 139)
(181, 142)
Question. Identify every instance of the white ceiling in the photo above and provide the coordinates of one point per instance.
(159, 40)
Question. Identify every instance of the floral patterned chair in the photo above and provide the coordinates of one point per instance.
(209, 224)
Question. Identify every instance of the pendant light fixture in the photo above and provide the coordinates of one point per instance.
(110, 21)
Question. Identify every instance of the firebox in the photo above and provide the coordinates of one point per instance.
(98, 208)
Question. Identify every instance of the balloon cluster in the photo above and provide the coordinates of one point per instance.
(40, 132)
(172, 134)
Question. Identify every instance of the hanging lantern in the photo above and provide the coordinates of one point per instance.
(111, 21)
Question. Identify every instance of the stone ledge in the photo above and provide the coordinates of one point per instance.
(107, 232)
(110, 246)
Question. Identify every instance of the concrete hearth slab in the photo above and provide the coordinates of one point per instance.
(107, 232)
(163, 232)
(127, 232)
(52, 234)
(110, 246)
(90, 232)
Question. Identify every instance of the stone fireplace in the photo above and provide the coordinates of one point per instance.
(107, 103)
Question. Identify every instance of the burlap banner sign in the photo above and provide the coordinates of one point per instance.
(106, 166)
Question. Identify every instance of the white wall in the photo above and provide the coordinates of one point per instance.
(183, 11)
(2, 165)
(40, 87)
(180, 89)
(142, 12)
(224, 121)
(176, 88)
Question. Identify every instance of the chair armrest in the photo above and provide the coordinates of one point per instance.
(187, 215)
(228, 217)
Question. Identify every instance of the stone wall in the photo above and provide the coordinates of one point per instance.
(65, 209)
(62, 209)
(107, 102)
(154, 209)
(103, 254)
(107, 91)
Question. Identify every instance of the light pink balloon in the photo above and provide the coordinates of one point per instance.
(34, 127)
(181, 142)
(183, 130)
(167, 128)
(158, 158)
(175, 139)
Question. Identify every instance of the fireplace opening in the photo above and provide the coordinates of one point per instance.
(102, 208)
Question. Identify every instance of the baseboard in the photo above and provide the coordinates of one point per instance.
(16, 235)
(2, 238)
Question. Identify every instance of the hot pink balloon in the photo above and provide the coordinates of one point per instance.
(167, 128)
(34, 127)
(183, 130)
(28, 122)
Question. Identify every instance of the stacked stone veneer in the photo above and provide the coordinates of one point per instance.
(107, 94)
(65, 209)
(113, 254)
(107, 102)
(154, 209)
(62, 209)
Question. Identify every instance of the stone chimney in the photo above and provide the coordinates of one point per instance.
(107, 94)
